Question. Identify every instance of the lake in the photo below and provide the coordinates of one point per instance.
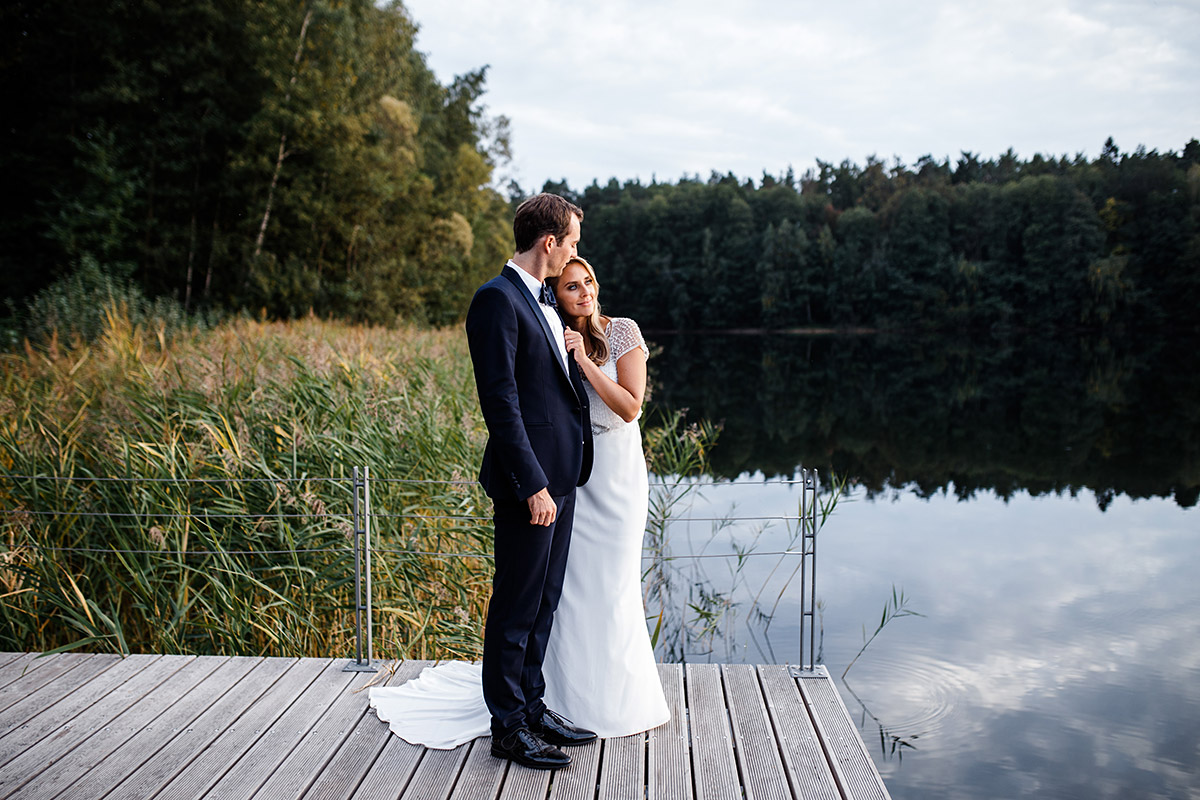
(1033, 499)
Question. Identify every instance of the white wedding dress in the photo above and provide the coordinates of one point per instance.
(599, 669)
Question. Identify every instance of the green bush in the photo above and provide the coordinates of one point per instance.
(78, 305)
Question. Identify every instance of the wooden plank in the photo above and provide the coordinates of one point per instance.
(853, 769)
(430, 776)
(28, 679)
(55, 667)
(82, 701)
(670, 764)
(162, 728)
(81, 711)
(7, 660)
(713, 763)
(130, 724)
(10, 656)
(623, 768)
(268, 747)
(435, 775)
(37, 701)
(25, 764)
(523, 783)
(390, 774)
(346, 770)
(20, 666)
(194, 738)
(482, 774)
(313, 752)
(239, 735)
(578, 781)
(280, 729)
(763, 776)
(803, 757)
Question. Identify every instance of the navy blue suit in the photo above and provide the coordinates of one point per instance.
(539, 437)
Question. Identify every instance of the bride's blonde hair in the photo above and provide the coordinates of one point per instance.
(594, 327)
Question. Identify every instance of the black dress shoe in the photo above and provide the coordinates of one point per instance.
(525, 748)
(557, 729)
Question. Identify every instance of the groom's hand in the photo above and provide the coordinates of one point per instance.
(542, 509)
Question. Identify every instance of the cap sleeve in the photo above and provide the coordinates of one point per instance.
(625, 335)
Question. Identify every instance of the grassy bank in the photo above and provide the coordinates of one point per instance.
(214, 546)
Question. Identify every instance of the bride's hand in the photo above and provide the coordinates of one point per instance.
(574, 342)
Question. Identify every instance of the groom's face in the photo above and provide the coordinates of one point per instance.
(564, 249)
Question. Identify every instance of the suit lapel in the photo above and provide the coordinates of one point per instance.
(541, 318)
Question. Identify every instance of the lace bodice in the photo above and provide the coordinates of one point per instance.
(623, 336)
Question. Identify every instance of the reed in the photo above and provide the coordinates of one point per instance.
(894, 608)
(677, 454)
(225, 534)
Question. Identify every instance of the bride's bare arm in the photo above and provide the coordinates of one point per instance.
(624, 395)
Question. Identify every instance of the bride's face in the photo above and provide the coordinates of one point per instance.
(576, 292)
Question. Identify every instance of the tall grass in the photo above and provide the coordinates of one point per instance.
(676, 452)
(228, 538)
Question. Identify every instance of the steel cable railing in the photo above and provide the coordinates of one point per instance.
(361, 515)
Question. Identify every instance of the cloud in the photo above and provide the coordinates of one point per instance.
(630, 89)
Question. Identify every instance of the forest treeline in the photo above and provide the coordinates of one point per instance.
(282, 157)
(272, 156)
(1043, 412)
(980, 243)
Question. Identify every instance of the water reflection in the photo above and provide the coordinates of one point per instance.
(1035, 501)
(1036, 412)
(1058, 654)
(717, 575)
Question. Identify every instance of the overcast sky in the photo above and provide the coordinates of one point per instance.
(662, 88)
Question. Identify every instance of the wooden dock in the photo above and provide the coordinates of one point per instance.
(91, 726)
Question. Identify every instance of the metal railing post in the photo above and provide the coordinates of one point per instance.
(366, 520)
(808, 565)
(362, 539)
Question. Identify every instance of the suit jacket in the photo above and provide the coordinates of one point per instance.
(535, 407)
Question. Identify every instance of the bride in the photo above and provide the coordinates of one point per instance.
(599, 668)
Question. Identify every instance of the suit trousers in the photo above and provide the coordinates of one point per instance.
(530, 563)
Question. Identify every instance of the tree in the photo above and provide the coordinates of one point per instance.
(783, 278)
(1060, 239)
(858, 289)
(261, 154)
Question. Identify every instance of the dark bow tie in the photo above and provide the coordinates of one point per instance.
(546, 297)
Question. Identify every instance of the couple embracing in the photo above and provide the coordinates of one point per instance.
(566, 653)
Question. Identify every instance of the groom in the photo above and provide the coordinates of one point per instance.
(539, 449)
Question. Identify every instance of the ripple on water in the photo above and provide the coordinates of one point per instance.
(914, 700)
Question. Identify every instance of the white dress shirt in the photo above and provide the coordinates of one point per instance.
(556, 324)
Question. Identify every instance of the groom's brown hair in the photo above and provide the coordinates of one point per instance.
(541, 215)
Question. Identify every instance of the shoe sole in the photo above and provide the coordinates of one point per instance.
(516, 760)
(575, 743)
